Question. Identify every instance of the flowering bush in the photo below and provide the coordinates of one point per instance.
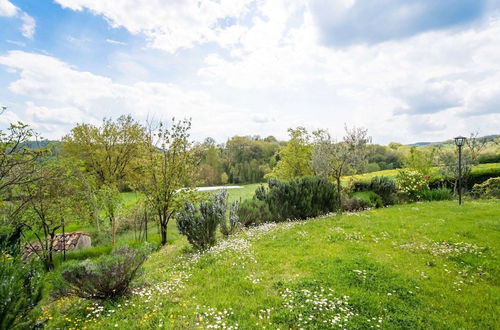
(412, 184)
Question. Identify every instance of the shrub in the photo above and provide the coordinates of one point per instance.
(481, 175)
(20, 292)
(230, 226)
(370, 198)
(354, 204)
(10, 240)
(361, 186)
(488, 158)
(441, 194)
(412, 184)
(107, 277)
(488, 189)
(385, 188)
(200, 226)
(299, 198)
(253, 212)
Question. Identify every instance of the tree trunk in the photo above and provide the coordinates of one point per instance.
(113, 230)
(338, 194)
(163, 230)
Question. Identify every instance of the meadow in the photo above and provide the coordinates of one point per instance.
(422, 266)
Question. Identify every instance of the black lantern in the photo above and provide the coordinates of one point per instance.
(460, 141)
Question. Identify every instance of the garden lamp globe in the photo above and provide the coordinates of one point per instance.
(460, 141)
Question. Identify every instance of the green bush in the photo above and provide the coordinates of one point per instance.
(488, 158)
(20, 293)
(370, 198)
(361, 186)
(411, 183)
(384, 187)
(200, 226)
(10, 240)
(253, 212)
(300, 198)
(354, 204)
(488, 189)
(441, 194)
(107, 277)
(481, 175)
(232, 225)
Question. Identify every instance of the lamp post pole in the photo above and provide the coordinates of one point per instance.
(459, 175)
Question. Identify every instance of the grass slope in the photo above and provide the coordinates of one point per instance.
(425, 265)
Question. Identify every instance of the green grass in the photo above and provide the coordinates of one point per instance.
(426, 265)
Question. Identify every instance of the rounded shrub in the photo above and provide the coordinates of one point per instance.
(107, 277)
(253, 212)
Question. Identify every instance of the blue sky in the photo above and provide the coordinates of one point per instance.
(407, 70)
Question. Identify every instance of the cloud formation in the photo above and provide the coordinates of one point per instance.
(261, 66)
(347, 22)
(7, 9)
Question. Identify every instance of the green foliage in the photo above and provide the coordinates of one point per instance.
(294, 157)
(370, 198)
(300, 198)
(480, 175)
(488, 189)
(441, 194)
(10, 240)
(20, 292)
(232, 225)
(354, 204)
(411, 183)
(421, 160)
(382, 158)
(385, 188)
(107, 277)
(110, 152)
(168, 171)
(254, 212)
(200, 226)
(489, 158)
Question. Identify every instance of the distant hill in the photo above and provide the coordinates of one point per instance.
(488, 138)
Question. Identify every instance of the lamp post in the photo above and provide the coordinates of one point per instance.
(459, 142)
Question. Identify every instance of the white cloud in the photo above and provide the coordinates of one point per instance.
(7, 9)
(275, 70)
(29, 24)
(116, 42)
(169, 25)
(59, 96)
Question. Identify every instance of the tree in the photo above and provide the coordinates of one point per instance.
(48, 205)
(332, 159)
(168, 170)
(448, 160)
(421, 160)
(109, 152)
(17, 161)
(294, 157)
(110, 200)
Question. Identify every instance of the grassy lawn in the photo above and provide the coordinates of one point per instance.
(425, 265)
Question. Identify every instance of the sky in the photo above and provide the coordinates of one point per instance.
(408, 71)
